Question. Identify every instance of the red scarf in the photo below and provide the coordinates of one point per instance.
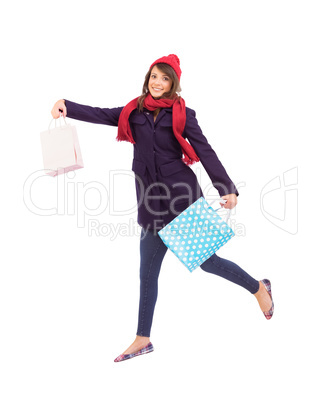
(179, 120)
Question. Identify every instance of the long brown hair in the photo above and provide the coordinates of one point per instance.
(168, 70)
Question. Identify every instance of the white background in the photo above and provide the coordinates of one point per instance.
(68, 299)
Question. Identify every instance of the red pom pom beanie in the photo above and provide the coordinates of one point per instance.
(171, 60)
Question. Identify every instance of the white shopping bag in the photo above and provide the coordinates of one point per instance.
(60, 149)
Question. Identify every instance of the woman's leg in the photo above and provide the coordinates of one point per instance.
(152, 252)
(230, 271)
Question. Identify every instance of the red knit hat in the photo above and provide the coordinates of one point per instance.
(171, 60)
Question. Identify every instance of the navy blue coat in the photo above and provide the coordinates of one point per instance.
(165, 185)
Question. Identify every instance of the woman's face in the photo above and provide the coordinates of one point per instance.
(158, 83)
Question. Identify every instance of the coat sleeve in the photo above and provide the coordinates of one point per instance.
(213, 166)
(93, 114)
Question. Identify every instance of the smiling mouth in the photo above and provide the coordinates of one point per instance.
(157, 89)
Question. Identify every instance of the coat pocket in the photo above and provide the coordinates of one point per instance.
(172, 167)
(138, 119)
(139, 167)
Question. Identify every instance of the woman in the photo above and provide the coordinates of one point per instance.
(159, 124)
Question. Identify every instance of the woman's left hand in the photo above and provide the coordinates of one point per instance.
(231, 201)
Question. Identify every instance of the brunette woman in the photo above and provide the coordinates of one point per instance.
(167, 139)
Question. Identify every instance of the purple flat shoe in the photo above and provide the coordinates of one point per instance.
(267, 285)
(146, 349)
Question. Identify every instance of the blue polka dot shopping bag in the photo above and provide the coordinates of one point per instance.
(196, 234)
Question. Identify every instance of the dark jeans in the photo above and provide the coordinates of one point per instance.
(152, 252)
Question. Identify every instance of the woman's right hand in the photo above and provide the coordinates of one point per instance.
(55, 112)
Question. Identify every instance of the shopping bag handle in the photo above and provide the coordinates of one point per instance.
(56, 122)
(222, 201)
